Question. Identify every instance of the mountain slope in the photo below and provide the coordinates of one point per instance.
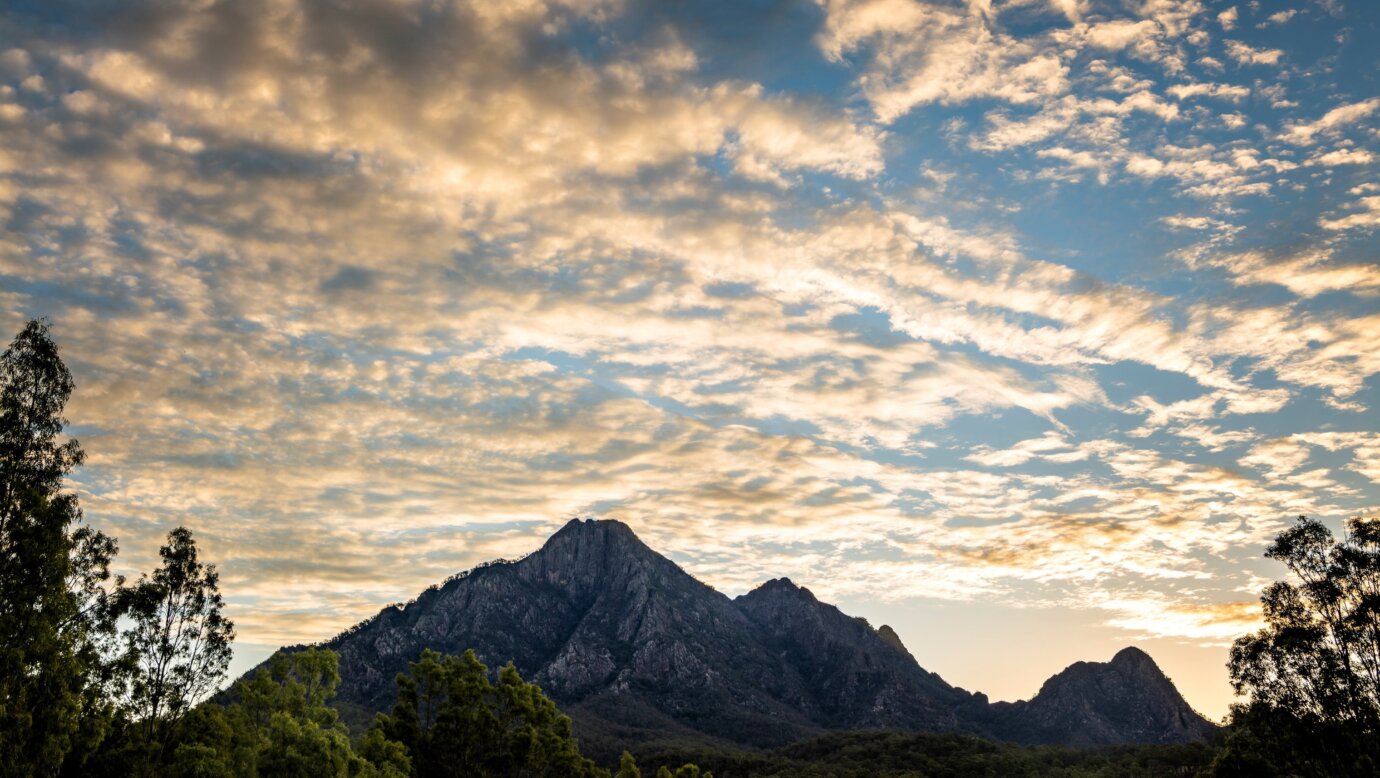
(608, 628)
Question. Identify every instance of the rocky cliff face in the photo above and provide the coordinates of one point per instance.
(1126, 700)
(853, 676)
(634, 648)
(609, 628)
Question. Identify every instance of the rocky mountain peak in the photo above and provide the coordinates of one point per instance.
(588, 556)
(599, 537)
(778, 588)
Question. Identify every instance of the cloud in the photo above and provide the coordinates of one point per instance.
(1051, 446)
(922, 52)
(1343, 157)
(1281, 17)
(1231, 92)
(1307, 274)
(1367, 218)
(1216, 624)
(1245, 54)
(1304, 133)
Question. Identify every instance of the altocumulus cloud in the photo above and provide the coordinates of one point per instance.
(1069, 301)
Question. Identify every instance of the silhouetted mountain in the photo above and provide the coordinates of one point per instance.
(1126, 700)
(635, 649)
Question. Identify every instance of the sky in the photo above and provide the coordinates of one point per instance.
(1020, 326)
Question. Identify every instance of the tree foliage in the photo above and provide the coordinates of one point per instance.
(627, 767)
(294, 732)
(276, 723)
(1313, 672)
(455, 722)
(912, 755)
(56, 608)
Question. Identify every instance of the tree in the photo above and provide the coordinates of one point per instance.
(627, 767)
(279, 723)
(298, 733)
(56, 614)
(1313, 673)
(178, 640)
(455, 722)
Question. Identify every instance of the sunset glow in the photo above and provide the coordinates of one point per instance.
(1020, 325)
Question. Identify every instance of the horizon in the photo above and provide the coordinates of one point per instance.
(1028, 321)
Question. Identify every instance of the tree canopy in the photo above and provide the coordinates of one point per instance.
(1312, 674)
(455, 722)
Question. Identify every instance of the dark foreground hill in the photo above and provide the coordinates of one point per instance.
(949, 755)
(638, 651)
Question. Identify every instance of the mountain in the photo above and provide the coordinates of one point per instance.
(855, 678)
(619, 635)
(636, 650)
(1102, 703)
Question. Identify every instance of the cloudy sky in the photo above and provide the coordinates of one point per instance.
(1021, 325)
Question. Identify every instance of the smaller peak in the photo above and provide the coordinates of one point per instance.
(781, 586)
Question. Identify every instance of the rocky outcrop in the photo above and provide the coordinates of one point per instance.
(634, 648)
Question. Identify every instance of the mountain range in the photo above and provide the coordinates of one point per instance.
(635, 649)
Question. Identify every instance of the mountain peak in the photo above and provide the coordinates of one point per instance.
(589, 526)
(587, 556)
(582, 537)
(1131, 656)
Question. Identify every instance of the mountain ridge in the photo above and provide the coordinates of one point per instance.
(634, 648)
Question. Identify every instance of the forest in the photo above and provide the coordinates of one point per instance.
(101, 675)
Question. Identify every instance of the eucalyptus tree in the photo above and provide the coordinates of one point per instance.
(178, 640)
(57, 619)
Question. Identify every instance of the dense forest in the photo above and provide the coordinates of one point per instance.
(100, 675)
